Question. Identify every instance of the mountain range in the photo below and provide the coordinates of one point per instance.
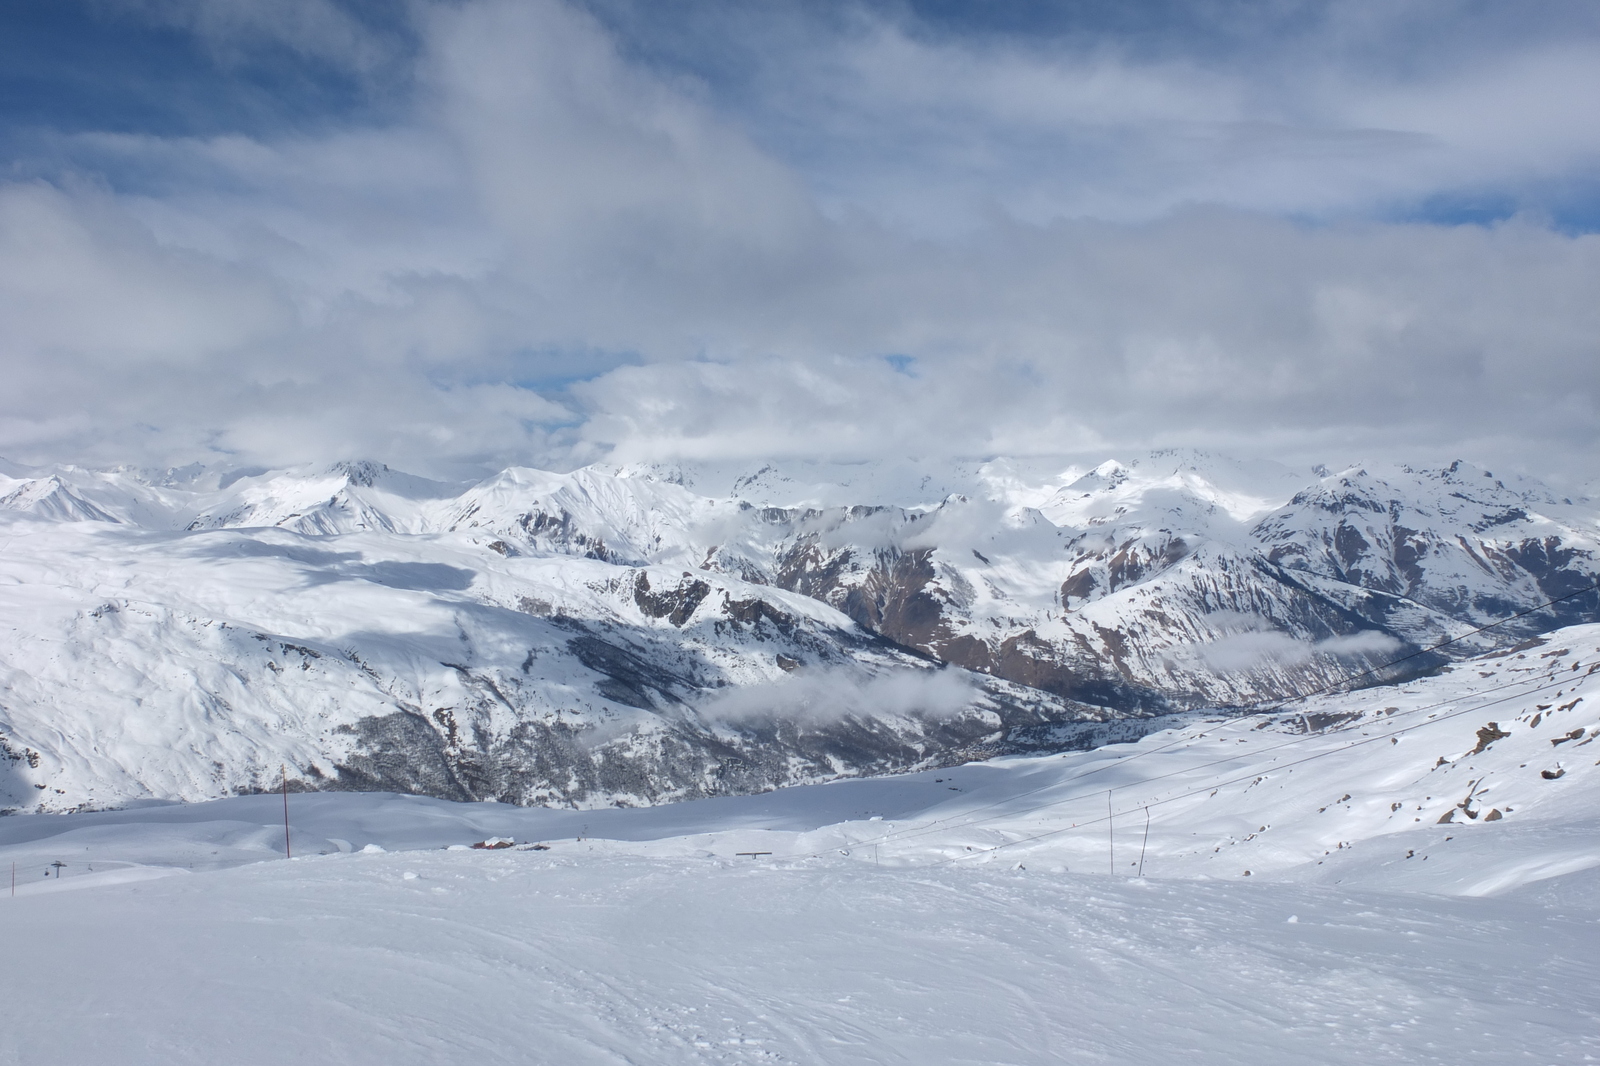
(630, 635)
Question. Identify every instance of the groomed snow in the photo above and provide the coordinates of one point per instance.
(955, 916)
(588, 957)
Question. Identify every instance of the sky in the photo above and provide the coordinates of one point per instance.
(453, 236)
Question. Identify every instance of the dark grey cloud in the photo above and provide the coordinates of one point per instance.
(582, 237)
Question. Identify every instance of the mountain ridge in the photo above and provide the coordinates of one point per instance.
(1056, 597)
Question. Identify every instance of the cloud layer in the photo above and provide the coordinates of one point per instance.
(822, 696)
(576, 237)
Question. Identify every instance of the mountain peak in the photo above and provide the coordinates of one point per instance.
(362, 472)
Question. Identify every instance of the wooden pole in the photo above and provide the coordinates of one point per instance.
(286, 852)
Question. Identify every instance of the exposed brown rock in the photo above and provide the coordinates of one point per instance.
(1488, 735)
(676, 605)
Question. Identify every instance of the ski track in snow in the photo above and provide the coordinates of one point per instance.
(593, 958)
(951, 916)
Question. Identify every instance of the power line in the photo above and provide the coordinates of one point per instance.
(1476, 709)
(923, 830)
(1278, 703)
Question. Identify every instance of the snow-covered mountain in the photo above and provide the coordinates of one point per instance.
(639, 634)
(1178, 579)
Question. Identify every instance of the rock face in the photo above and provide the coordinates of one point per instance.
(649, 634)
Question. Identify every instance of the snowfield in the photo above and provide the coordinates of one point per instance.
(1406, 874)
(446, 957)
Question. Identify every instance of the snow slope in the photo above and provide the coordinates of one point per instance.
(494, 958)
(964, 915)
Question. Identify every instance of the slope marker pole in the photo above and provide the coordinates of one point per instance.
(286, 852)
(1111, 836)
(1146, 840)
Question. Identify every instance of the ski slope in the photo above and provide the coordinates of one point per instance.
(1321, 882)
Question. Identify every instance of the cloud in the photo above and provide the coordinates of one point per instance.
(1318, 110)
(817, 696)
(78, 275)
(1253, 650)
(1212, 329)
(232, 29)
(887, 239)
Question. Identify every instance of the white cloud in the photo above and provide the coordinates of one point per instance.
(1358, 108)
(554, 211)
(823, 695)
(1255, 649)
(316, 28)
(77, 275)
